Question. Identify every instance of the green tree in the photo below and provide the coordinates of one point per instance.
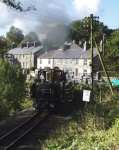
(12, 86)
(14, 36)
(113, 44)
(17, 5)
(3, 44)
(112, 51)
(13, 4)
(80, 30)
(77, 31)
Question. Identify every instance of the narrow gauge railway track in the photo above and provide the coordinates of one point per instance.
(12, 138)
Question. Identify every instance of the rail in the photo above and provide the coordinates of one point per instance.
(13, 137)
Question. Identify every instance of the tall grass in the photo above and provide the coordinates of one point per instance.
(96, 127)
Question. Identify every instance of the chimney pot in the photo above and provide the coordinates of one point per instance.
(85, 46)
(23, 45)
(27, 44)
(73, 42)
(34, 44)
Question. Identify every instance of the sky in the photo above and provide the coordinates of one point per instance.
(109, 13)
(50, 12)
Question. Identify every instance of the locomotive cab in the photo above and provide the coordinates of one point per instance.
(49, 88)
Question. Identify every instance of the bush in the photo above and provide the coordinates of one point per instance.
(4, 109)
(73, 137)
(12, 86)
(27, 103)
(96, 128)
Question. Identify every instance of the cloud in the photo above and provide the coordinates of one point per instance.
(83, 8)
(48, 12)
(5, 19)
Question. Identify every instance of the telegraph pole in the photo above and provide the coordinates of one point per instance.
(92, 19)
(91, 42)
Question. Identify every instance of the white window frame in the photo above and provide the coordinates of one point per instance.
(76, 72)
(49, 61)
(77, 61)
(40, 61)
(85, 62)
(85, 72)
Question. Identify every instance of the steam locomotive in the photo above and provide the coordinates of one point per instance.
(50, 88)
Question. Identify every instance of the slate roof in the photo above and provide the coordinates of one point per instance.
(71, 53)
(25, 50)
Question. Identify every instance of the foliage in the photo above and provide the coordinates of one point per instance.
(17, 5)
(3, 44)
(95, 127)
(13, 4)
(112, 52)
(80, 30)
(4, 109)
(112, 46)
(27, 103)
(14, 36)
(79, 87)
(84, 139)
(86, 130)
(12, 85)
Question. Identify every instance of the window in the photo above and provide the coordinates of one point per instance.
(85, 61)
(70, 61)
(15, 56)
(76, 71)
(73, 60)
(85, 72)
(61, 61)
(23, 64)
(26, 64)
(65, 61)
(77, 61)
(40, 61)
(49, 61)
(19, 56)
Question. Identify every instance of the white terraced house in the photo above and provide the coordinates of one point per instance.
(73, 59)
(27, 54)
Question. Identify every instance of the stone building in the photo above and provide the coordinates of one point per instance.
(27, 54)
(76, 61)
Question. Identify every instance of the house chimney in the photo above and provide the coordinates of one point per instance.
(34, 43)
(67, 46)
(85, 46)
(101, 46)
(23, 45)
(80, 43)
(73, 42)
(27, 43)
(37, 43)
